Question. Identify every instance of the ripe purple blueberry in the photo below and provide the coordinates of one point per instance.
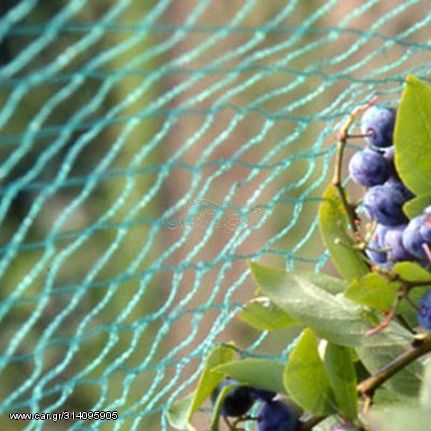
(393, 241)
(425, 229)
(395, 182)
(369, 168)
(372, 251)
(384, 203)
(412, 238)
(237, 402)
(276, 416)
(424, 313)
(378, 123)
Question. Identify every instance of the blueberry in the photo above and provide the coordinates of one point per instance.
(384, 204)
(412, 238)
(373, 253)
(237, 402)
(376, 243)
(396, 182)
(425, 229)
(276, 416)
(263, 395)
(369, 168)
(379, 121)
(394, 242)
(424, 314)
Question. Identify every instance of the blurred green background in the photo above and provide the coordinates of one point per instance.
(119, 121)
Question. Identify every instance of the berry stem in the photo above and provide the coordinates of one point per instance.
(368, 386)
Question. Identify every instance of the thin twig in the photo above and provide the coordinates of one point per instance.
(342, 136)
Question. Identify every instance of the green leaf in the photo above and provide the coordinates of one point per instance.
(178, 413)
(400, 419)
(382, 348)
(259, 373)
(411, 271)
(333, 223)
(208, 379)
(305, 378)
(374, 290)
(326, 282)
(412, 136)
(416, 206)
(387, 397)
(328, 424)
(331, 317)
(260, 313)
(342, 377)
(426, 387)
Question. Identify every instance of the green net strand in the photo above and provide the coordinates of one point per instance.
(148, 151)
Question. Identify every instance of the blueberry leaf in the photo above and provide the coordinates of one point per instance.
(380, 349)
(416, 206)
(426, 388)
(400, 418)
(262, 314)
(411, 272)
(305, 377)
(412, 136)
(178, 413)
(259, 373)
(333, 223)
(332, 285)
(330, 316)
(374, 290)
(342, 377)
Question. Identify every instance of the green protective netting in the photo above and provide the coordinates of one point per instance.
(149, 149)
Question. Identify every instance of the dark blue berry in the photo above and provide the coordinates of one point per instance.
(424, 313)
(396, 183)
(384, 204)
(412, 238)
(276, 416)
(378, 122)
(393, 241)
(369, 168)
(372, 251)
(425, 229)
(237, 402)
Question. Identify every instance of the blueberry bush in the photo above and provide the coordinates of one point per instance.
(360, 362)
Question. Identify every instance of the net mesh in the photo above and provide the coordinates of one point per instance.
(148, 151)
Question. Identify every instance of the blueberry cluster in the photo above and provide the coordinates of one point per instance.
(273, 415)
(374, 168)
(395, 238)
